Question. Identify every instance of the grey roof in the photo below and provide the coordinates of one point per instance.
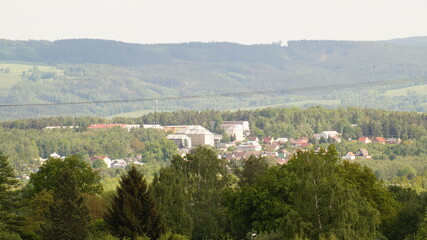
(193, 129)
(177, 136)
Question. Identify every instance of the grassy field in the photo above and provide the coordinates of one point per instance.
(296, 104)
(7, 80)
(16, 69)
(420, 89)
(135, 114)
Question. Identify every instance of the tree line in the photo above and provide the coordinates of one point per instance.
(315, 196)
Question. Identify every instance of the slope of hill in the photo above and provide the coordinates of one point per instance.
(96, 70)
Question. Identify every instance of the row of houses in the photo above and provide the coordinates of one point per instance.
(280, 157)
(106, 126)
(117, 163)
(363, 153)
(380, 140)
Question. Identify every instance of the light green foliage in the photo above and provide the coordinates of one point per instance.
(6, 234)
(206, 179)
(171, 236)
(99, 163)
(48, 177)
(420, 89)
(422, 229)
(102, 236)
(324, 203)
(372, 190)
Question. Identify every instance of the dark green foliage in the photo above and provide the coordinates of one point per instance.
(422, 229)
(206, 180)
(49, 175)
(373, 191)
(7, 183)
(409, 215)
(261, 205)
(133, 210)
(314, 196)
(68, 216)
(196, 184)
(170, 192)
(8, 199)
(24, 145)
(254, 167)
(6, 234)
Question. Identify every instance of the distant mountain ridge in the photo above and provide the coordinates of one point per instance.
(94, 70)
(412, 41)
(130, 54)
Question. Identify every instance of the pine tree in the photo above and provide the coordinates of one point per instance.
(7, 181)
(68, 218)
(133, 212)
(169, 191)
(7, 196)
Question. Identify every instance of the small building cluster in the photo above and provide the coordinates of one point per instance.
(240, 147)
(237, 130)
(187, 136)
(328, 136)
(361, 153)
(380, 140)
(106, 126)
(117, 163)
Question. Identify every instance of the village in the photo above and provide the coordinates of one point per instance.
(235, 144)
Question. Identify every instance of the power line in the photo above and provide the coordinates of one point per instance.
(234, 94)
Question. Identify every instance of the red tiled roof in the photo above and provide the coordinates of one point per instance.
(303, 145)
(379, 139)
(267, 139)
(252, 138)
(363, 139)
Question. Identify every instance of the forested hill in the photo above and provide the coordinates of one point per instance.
(128, 54)
(70, 70)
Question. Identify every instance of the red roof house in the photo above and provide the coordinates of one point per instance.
(365, 140)
(379, 140)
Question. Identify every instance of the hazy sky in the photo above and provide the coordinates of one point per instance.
(242, 21)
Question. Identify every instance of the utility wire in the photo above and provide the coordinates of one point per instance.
(234, 94)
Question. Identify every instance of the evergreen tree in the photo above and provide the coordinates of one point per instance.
(7, 196)
(170, 193)
(133, 212)
(68, 216)
(254, 167)
(7, 182)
